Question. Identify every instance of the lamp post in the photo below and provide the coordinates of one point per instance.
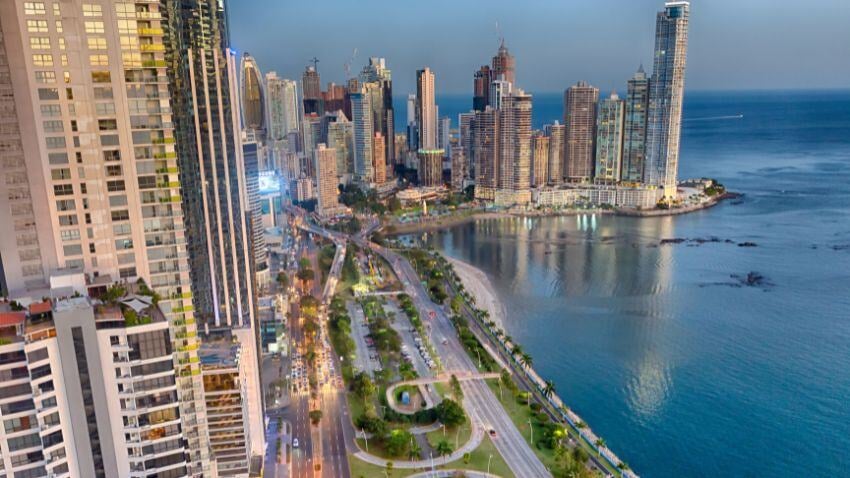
(490, 457)
(531, 429)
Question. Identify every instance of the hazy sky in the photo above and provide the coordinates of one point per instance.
(734, 44)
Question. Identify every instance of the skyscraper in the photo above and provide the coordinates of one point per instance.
(579, 122)
(251, 153)
(426, 109)
(382, 102)
(253, 96)
(498, 90)
(504, 65)
(539, 159)
(311, 89)
(281, 106)
(379, 150)
(458, 169)
(485, 140)
(515, 142)
(341, 139)
(666, 92)
(430, 167)
(465, 142)
(555, 169)
(609, 140)
(481, 88)
(326, 179)
(634, 135)
(361, 109)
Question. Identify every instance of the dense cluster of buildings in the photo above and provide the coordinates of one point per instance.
(603, 144)
(126, 158)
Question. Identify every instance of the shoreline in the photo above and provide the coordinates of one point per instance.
(479, 286)
(441, 222)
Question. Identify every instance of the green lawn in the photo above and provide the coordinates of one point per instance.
(477, 461)
(450, 436)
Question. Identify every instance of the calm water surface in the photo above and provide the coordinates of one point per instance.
(683, 371)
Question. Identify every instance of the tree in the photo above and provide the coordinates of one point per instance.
(516, 351)
(394, 204)
(315, 416)
(362, 385)
(525, 360)
(113, 293)
(283, 280)
(444, 448)
(415, 451)
(549, 389)
(398, 442)
(450, 413)
(389, 468)
(457, 391)
(466, 458)
(306, 275)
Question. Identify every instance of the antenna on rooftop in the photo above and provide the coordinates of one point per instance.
(315, 62)
(499, 33)
(348, 65)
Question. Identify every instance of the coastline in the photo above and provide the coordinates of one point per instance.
(479, 286)
(441, 222)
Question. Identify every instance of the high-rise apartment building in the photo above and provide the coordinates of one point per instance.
(539, 159)
(634, 130)
(458, 169)
(90, 390)
(426, 109)
(341, 139)
(485, 140)
(609, 140)
(379, 158)
(311, 90)
(382, 102)
(253, 96)
(504, 65)
(555, 169)
(97, 133)
(515, 142)
(251, 150)
(326, 179)
(666, 93)
(481, 88)
(579, 122)
(498, 90)
(465, 142)
(281, 106)
(361, 109)
(430, 167)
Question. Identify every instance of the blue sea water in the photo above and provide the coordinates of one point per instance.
(684, 371)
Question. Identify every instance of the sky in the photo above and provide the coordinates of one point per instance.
(733, 44)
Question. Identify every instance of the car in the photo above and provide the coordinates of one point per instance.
(492, 433)
(294, 443)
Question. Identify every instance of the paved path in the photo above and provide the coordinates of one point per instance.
(363, 360)
(445, 377)
(453, 473)
(468, 447)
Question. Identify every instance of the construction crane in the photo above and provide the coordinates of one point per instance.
(315, 62)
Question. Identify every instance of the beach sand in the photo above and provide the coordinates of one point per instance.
(478, 284)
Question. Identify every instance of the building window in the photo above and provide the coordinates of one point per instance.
(121, 215)
(96, 43)
(55, 142)
(53, 126)
(113, 171)
(99, 60)
(94, 27)
(45, 77)
(51, 110)
(69, 235)
(63, 189)
(48, 93)
(57, 158)
(37, 26)
(103, 109)
(42, 60)
(40, 43)
(34, 8)
(114, 186)
(101, 77)
(107, 125)
(66, 205)
(92, 10)
(60, 174)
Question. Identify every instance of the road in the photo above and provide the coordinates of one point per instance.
(483, 406)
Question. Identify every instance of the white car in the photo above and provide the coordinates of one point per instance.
(294, 443)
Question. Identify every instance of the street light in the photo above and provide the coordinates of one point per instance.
(531, 428)
(488, 463)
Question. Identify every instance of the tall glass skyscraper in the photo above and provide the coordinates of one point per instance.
(666, 93)
(253, 96)
(634, 137)
(203, 76)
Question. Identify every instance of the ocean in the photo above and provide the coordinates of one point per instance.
(666, 351)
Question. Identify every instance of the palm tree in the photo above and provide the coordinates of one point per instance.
(516, 350)
(549, 389)
(415, 451)
(526, 360)
(444, 448)
(600, 444)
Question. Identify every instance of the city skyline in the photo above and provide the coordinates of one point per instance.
(720, 43)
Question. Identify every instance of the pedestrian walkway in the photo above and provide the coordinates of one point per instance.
(462, 376)
(468, 447)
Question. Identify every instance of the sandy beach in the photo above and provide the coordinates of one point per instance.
(478, 284)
